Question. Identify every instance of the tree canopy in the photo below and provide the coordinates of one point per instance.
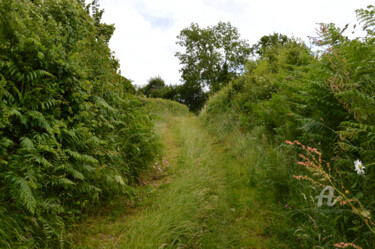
(212, 56)
(267, 42)
(153, 87)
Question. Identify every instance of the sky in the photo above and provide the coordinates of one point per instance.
(145, 37)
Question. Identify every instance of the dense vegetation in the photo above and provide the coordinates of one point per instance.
(71, 135)
(322, 103)
(210, 58)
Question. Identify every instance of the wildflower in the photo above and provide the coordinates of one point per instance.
(286, 205)
(359, 167)
(345, 245)
(348, 201)
(289, 142)
(347, 192)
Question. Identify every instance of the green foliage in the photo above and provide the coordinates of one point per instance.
(212, 57)
(162, 107)
(71, 135)
(367, 17)
(154, 87)
(205, 202)
(192, 95)
(326, 101)
(268, 42)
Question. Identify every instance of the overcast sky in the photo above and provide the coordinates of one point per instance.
(146, 30)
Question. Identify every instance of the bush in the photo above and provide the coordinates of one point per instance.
(71, 136)
(325, 100)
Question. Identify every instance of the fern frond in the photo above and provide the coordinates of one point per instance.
(50, 204)
(119, 180)
(37, 120)
(48, 104)
(68, 135)
(103, 104)
(366, 17)
(13, 111)
(89, 159)
(348, 147)
(64, 182)
(360, 127)
(75, 173)
(37, 74)
(13, 71)
(21, 189)
(87, 188)
(26, 143)
(74, 154)
(9, 96)
(40, 160)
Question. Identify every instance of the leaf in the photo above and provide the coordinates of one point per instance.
(120, 180)
(354, 184)
(359, 195)
(354, 229)
(14, 112)
(65, 182)
(22, 187)
(40, 55)
(26, 143)
(75, 173)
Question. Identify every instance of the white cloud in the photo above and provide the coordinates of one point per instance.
(146, 30)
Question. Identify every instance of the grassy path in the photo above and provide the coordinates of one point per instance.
(205, 201)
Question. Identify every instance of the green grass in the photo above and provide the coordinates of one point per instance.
(164, 108)
(205, 201)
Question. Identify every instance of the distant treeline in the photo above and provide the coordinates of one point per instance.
(212, 57)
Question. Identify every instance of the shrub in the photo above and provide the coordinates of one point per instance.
(325, 100)
(71, 136)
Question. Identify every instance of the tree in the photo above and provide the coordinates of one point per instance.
(267, 42)
(153, 87)
(125, 85)
(269, 47)
(192, 95)
(212, 56)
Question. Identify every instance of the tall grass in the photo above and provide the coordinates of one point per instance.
(206, 201)
(326, 103)
(165, 108)
(209, 203)
(179, 212)
(265, 172)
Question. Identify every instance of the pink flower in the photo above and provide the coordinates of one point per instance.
(289, 142)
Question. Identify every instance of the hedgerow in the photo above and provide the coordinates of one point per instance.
(71, 135)
(322, 99)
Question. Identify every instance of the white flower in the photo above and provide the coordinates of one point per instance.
(359, 167)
